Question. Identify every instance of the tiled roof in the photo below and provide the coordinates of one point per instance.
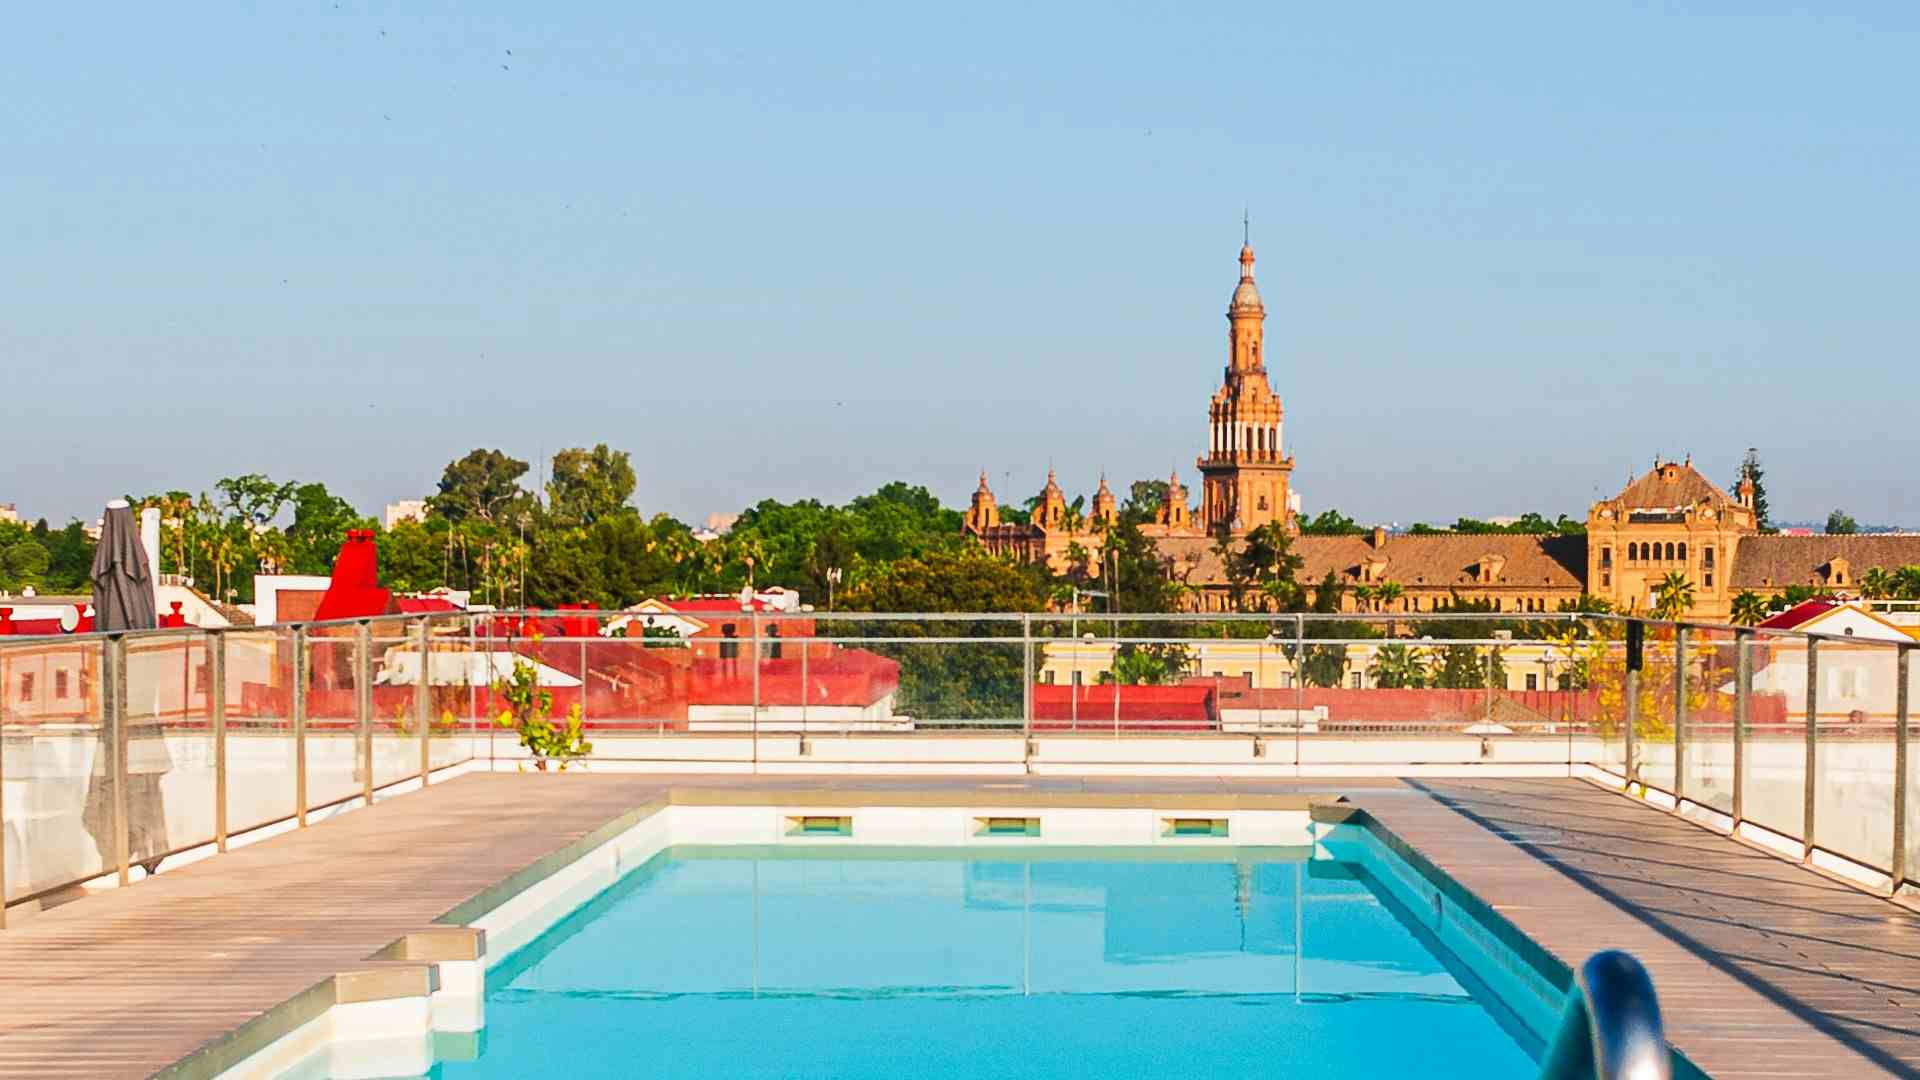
(1775, 561)
(1443, 560)
(1669, 485)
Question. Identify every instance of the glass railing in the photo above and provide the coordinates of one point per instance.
(122, 751)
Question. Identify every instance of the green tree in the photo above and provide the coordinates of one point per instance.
(588, 485)
(24, 562)
(1876, 583)
(1750, 470)
(1748, 608)
(1146, 497)
(1267, 561)
(1839, 523)
(320, 523)
(941, 581)
(1398, 667)
(1330, 522)
(253, 498)
(482, 486)
(1673, 596)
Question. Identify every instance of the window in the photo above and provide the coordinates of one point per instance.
(1669, 551)
(1633, 552)
(1355, 682)
(1683, 553)
(1533, 681)
(1286, 680)
(1706, 558)
(1709, 581)
(1606, 558)
(1046, 676)
(1606, 580)
(60, 685)
(1076, 678)
(26, 686)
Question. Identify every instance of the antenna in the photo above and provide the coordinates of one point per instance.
(1246, 227)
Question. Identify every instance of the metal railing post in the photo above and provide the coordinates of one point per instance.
(1813, 747)
(300, 724)
(1742, 717)
(1026, 691)
(586, 684)
(3, 801)
(1901, 656)
(1679, 716)
(1630, 740)
(363, 707)
(1297, 664)
(806, 689)
(753, 614)
(217, 705)
(116, 718)
(423, 694)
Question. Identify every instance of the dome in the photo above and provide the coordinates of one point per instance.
(1247, 297)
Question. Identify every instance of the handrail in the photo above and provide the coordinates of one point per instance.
(1610, 1029)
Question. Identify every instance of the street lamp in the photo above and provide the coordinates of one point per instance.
(833, 578)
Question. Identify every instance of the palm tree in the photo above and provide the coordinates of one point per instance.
(1748, 608)
(1398, 667)
(1673, 597)
(1387, 592)
(1906, 583)
(1363, 597)
(1876, 584)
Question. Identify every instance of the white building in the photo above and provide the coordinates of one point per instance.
(405, 510)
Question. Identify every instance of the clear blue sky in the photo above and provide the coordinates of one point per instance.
(1509, 252)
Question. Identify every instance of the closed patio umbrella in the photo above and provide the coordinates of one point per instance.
(122, 580)
(123, 600)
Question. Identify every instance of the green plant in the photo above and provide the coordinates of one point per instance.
(528, 713)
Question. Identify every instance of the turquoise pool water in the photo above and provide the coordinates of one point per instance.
(827, 962)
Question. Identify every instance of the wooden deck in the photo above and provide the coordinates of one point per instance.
(1764, 968)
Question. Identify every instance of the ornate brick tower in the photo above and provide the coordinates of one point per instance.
(1245, 473)
(1105, 512)
(982, 513)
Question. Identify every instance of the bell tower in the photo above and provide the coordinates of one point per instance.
(1245, 472)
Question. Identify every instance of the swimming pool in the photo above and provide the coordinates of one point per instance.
(1022, 961)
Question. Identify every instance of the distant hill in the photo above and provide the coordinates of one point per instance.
(1820, 526)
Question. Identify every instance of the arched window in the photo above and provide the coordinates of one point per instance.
(1633, 553)
(1683, 553)
(1669, 551)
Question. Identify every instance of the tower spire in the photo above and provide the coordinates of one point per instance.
(1246, 227)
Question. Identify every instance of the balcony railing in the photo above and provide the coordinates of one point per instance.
(119, 753)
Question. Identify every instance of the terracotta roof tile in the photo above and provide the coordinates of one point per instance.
(1775, 561)
(1669, 485)
(1441, 560)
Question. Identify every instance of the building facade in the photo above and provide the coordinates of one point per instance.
(1670, 519)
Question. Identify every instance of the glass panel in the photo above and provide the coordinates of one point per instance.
(1653, 728)
(1776, 754)
(395, 659)
(58, 805)
(260, 748)
(868, 677)
(333, 723)
(636, 680)
(1709, 667)
(1597, 666)
(1853, 794)
(170, 779)
(1912, 779)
